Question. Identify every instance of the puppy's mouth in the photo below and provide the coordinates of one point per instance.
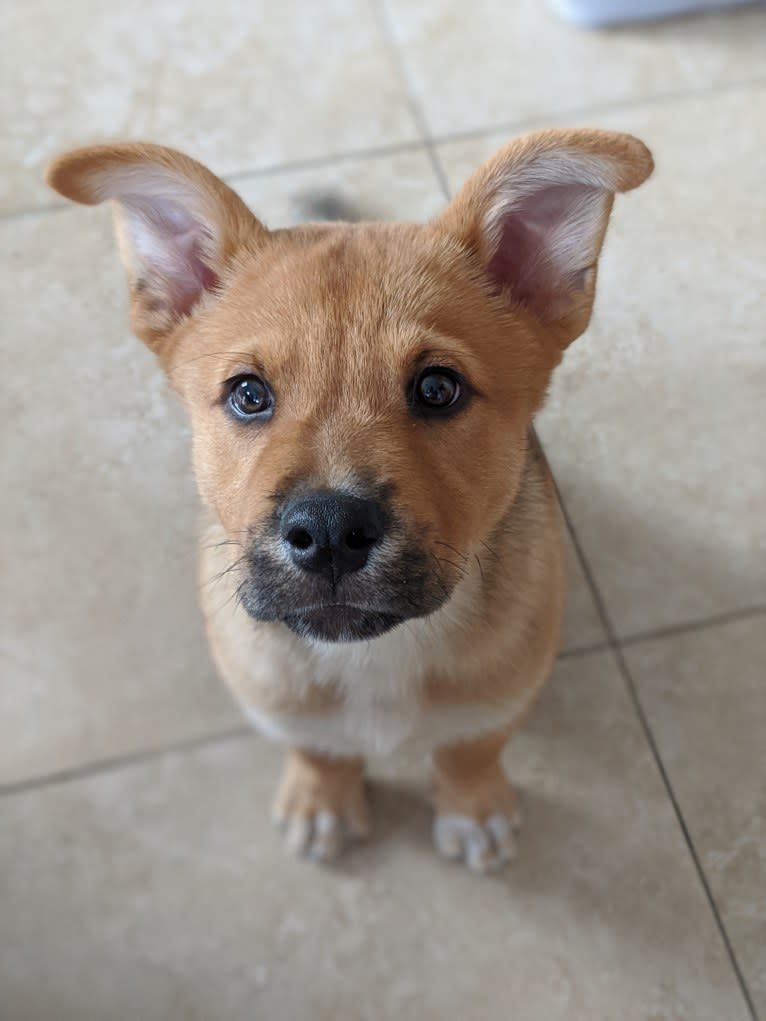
(351, 594)
(338, 622)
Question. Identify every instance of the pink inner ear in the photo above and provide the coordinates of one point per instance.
(197, 277)
(544, 243)
(170, 245)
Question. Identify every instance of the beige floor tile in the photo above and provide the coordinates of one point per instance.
(401, 186)
(185, 906)
(101, 641)
(488, 62)
(655, 422)
(705, 698)
(237, 85)
(582, 624)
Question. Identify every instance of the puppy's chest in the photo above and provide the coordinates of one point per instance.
(380, 710)
(369, 722)
(379, 720)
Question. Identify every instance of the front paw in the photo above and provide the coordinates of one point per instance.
(484, 846)
(476, 822)
(321, 806)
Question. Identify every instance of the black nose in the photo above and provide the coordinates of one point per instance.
(331, 533)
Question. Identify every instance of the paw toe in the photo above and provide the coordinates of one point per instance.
(298, 833)
(484, 847)
(448, 836)
(328, 837)
(319, 836)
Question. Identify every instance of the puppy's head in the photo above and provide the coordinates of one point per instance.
(360, 394)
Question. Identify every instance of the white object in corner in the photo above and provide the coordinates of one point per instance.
(592, 13)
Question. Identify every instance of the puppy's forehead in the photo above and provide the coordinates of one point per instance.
(344, 315)
(338, 288)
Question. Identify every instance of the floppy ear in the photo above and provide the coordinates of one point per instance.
(535, 216)
(178, 226)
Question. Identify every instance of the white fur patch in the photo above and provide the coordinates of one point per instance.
(379, 684)
(364, 725)
(484, 847)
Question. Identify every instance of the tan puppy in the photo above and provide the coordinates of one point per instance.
(383, 565)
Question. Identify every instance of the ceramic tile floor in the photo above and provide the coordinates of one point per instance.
(139, 876)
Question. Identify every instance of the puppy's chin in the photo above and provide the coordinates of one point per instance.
(340, 623)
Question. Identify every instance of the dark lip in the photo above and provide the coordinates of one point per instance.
(341, 622)
(351, 607)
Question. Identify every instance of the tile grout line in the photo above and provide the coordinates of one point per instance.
(616, 648)
(691, 626)
(638, 707)
(583, 650)
(11, 215)
(428, 142)
(248, 174)
(388, 36)
(532, 122)
(685, 627)
(99, 766)
(314, 162)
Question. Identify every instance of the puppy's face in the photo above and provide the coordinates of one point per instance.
(360, 395)
(359, 422)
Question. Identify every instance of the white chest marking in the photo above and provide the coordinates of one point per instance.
(364, 726)
(379, 683)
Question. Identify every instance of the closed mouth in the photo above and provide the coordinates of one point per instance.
(320, 607)
(340, 622)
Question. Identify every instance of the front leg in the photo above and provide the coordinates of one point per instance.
(321, 803)
(477, 809)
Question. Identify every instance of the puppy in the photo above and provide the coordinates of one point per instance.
(382, 570)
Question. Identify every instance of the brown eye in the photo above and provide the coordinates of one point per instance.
(250, 398)
(436, 390)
